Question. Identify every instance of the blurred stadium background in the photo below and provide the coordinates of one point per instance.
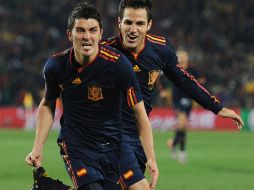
(217, 34)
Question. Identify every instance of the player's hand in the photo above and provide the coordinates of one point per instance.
(34, 158)
(228, 113)
(154, 173)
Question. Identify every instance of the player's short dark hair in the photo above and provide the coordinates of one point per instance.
(136, 4)
(85, 11)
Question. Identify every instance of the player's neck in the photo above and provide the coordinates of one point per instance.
(137, 49)
(85, 60)
(140, 47)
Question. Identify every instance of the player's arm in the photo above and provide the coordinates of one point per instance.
(187, 83)
(45, 121)
(196, 91)
(45, 117)
(146, 137)
(224, 112)
(145, 130)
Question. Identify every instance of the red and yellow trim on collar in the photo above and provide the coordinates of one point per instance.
(156, 39)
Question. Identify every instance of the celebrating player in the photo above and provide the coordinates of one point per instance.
(150, 55)
(91, 79)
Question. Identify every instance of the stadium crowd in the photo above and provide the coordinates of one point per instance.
(218, 35)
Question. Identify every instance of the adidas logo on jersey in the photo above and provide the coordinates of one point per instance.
(136, 68)
(76, 81)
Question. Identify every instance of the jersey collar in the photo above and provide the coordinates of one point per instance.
(76, 65)
(134, 54)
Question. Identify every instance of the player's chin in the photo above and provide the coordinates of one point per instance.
(131, 46)
(87, 53)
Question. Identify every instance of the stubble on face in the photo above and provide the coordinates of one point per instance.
(85, 36)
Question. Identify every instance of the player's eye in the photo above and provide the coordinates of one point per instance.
(94, 30)
(127, 22)
(140, 23)
(78, 29)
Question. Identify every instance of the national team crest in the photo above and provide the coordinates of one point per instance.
(153, 75)
(94, 93)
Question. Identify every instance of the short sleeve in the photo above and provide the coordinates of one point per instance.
(52, 89)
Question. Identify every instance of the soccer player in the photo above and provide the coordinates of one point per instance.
(182, 105)
(91, 79)
(150, 55)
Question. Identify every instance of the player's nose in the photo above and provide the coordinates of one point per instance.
(133, 28)
(86, 35)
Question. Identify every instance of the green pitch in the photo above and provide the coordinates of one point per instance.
(217, 161)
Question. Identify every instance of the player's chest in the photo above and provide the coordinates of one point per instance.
(90, 87)
(147, 71)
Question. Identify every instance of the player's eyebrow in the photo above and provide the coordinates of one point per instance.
(90, 29)
(80, 28)
(141, 22)
(94, 28)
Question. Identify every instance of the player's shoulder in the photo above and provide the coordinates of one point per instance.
(156, 40)
(59, 59)
(159, 44)
(109, 53)
(109, 41)
(61, 56)
(113, 55)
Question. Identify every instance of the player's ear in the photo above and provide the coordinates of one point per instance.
(149, 25)
(101, 32)
(119, 22)
(68, 32)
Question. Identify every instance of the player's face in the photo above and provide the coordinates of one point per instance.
(85, 36)
(133, 27)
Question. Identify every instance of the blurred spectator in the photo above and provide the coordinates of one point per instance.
(218, 34)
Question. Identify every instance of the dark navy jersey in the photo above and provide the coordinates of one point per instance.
(158, 55)
(91, 95)
(181, 100)
(178, 94)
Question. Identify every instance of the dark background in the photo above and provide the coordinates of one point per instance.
(218, 34)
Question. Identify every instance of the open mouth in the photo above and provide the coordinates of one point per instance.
(132, 37)
(86, 44)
